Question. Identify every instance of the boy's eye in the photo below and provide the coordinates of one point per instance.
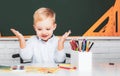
(48, 29)
(39, 29)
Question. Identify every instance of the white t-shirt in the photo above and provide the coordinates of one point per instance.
(42, 52)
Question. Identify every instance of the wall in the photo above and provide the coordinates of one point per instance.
(105, 48)
(8, 46)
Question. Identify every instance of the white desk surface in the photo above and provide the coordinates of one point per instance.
(100, 68)
(60, 72)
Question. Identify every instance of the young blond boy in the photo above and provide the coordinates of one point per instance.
(44, 47)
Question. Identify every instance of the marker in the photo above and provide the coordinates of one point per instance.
(91, 46)
(77, 43)
(84, 45)
(87, 46)
(73, 44)
(80, 45)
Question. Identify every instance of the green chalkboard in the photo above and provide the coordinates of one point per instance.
(77, 15)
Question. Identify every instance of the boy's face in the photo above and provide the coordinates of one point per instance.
(44, 29)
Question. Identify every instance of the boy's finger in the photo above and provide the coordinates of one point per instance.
(67, 33)
(12, 30)
(15, 32)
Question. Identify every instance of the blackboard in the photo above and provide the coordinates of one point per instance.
(76, 15)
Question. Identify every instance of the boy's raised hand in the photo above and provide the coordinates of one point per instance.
(62, 40)
(65, 35)
(17, 33)
(20, 37)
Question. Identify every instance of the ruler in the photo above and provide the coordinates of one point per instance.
(108, 24)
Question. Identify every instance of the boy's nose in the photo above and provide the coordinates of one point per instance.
(44, 32)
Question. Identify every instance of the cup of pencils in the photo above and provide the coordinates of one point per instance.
(81, 57)
(83, 46)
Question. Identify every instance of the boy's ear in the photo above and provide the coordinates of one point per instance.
(54, 26)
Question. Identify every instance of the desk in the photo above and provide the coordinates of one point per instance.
(60, 72)
(100, 68)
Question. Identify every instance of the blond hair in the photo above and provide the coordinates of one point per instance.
(42, 14)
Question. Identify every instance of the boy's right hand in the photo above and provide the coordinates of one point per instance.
(20, 37)
(17, 33)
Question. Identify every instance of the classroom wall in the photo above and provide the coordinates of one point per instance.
(77, 15)
(105, 48)
(8, 46)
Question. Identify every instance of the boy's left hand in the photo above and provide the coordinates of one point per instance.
(62, 40)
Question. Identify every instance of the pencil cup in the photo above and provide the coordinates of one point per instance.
(82, 60)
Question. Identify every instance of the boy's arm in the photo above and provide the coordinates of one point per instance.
(20, 37)
(62, 40)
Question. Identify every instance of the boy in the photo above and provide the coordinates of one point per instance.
(45, 47)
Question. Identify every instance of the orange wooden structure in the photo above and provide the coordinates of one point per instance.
(112, 26)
